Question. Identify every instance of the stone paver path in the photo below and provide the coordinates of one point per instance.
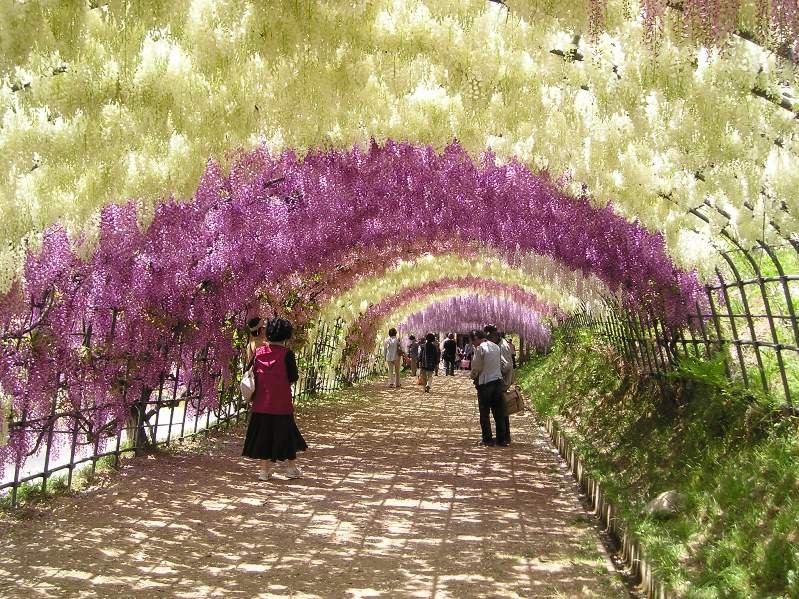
(397, 501)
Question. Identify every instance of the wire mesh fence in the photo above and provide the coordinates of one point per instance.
(68, 439)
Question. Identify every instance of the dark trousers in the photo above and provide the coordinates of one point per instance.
(489, 400)
(449, 366)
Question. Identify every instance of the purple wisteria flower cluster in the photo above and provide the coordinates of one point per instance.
(364, 331)
(776, 22)
(96, 337)
(469, 312)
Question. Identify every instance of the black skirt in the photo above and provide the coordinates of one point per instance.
(273, 437)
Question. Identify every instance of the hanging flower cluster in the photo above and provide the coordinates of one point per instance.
(470, 312)
(305, 297)
(149, 302)
(370, 325)
(540, 275)
(113, 102)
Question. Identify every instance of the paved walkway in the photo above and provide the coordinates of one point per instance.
(397, 501)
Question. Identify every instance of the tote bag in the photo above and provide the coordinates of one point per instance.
(512, 401)
(247, 385)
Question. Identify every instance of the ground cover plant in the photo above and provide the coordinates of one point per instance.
(732, 455)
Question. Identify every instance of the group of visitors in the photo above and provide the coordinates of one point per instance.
(453, 356)
(423, 356)
(272, 433)
(491, 359)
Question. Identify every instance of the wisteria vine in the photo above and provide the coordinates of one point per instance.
(468, 312)
(103, 333)
(658, 133)
(368, 327)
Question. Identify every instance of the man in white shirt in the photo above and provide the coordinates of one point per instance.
(506, 365)
(392, 352)
(487, 375)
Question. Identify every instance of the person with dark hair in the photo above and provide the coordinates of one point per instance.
(440, 350)
(413, 353)
(392, 352)
(450, 351)
(487, 375)
(272, 433)
(429, 357)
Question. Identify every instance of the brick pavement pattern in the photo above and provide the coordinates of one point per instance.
(397, 500)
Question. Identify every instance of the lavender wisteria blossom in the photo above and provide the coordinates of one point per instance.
(365, 330)
(711, 22)
(464, 313)
(163, 302)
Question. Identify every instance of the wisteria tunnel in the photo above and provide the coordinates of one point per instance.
(612, 184)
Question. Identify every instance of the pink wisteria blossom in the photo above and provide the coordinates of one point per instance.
(469, 312)
(165, 302)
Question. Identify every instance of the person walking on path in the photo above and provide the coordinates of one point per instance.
(413, 353)
(487, 374)
(468, 354)
(429, 357)
(392, 352)
(440, 351)
(512, 349)
(450, 350)
(272, 433)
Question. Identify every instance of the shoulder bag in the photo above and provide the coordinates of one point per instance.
(512, 400)
(247, 385)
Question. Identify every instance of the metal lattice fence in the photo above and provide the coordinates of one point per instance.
(67, 440)
(748, 322)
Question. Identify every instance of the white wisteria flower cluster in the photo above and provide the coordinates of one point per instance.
(130, 100)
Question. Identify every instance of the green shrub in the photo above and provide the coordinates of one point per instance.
(728, 451)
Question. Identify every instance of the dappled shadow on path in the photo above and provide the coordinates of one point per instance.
(397, 501)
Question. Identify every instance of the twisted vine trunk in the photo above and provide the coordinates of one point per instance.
(138, 423)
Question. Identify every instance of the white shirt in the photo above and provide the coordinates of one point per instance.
(391, 348)
(487, 363)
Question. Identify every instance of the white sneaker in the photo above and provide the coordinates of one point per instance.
(265, 475)
(293, 472)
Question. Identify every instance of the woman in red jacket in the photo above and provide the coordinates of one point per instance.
(272, 434)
